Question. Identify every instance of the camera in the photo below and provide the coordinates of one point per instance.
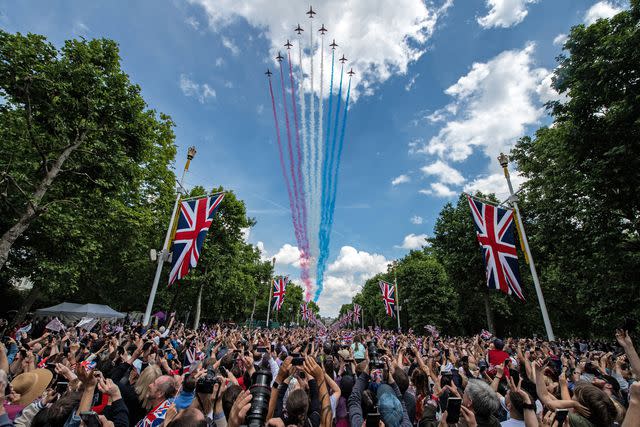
(260, 395)
(205, 384)
(374, 357)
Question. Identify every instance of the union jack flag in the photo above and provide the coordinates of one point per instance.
(305, 311)
(356, 313)
(279, 289)
(388, 297)
(156, 417)
(494, 229)
(193, 224)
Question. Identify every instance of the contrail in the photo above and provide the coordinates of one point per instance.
(304, 243)
(321, 231)
(312, 115)
(296, 191)
(318, 160)
(325, 229)
(340, 145)
(282, 162)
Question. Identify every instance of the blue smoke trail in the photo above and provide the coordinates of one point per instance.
(322, 256)
(325, 229)
(335, 185)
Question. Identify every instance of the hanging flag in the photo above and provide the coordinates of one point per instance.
(305, 311)
(193, 224)
(388, 297)
(279, 289)
(494, 229)
(356, 313)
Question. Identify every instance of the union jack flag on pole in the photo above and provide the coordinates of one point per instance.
(279, 290)
(495, 232)
(195, 219)
(356, 313)
(305, 311)
(388, 297)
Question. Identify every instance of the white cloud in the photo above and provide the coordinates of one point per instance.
(560, 39)
(494, 102)
(228, 84)
(600, 10)
(504, 13)
(352, 261)
(438, 189)
(263, 251)
(444, 172)
(345, 277)
(413, 241)
(192, 22)
(246, 232)
(416, 219)
(411, 82)
(402, 179)
(378, 45)
(495, 183)
(231, 45)
(288, 255)
(260, 109)
(202, 92)
(219, 62)
(546, 92)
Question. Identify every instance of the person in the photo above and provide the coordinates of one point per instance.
(480, 403)
(160, 397)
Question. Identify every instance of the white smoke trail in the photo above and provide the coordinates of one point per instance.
(318, 158)
(311, 144)
(303, 116)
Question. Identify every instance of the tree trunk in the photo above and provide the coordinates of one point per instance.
(253, 310)
(489, 313)
(33, 208)
(34, 293)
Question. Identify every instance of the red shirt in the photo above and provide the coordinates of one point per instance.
(497, 357)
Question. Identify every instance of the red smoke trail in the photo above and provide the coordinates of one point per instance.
(301, 200)
(282, 162)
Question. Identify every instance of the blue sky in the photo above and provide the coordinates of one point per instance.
(442, 87)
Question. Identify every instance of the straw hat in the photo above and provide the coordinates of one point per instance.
(31, 385)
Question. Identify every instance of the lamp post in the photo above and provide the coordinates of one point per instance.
(503, 159)
(164, 252)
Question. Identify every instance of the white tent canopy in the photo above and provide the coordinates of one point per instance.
(73, 311)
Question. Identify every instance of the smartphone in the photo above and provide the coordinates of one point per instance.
(373, 420)
(90, 419)
(261, 349)
(297, 361)
(223, 371)
(561, 415)
(453, 409)
(62, 387)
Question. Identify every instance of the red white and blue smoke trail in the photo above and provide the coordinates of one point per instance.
(311, 169)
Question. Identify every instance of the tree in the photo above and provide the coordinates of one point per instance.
(71, 120)
(581, 199)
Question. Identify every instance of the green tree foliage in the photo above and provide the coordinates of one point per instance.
(581, 201)
(86, 178)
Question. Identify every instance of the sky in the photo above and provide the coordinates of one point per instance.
(442, 87)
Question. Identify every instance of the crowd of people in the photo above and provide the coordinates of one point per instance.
(124, 374)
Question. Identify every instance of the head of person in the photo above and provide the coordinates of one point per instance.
(602, 411)
(229, 397)
(514, 403)
(401, 379)
(146, 378)
(190, 417)
(498, 344)
(480, 398)
(389, 406)
(164, 387)
(297, 406)
(59, 412)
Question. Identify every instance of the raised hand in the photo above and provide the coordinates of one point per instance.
(239, 409)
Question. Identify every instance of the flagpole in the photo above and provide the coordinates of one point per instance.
(504, 162)
(395, 280)
(164, 252)
(273, 264)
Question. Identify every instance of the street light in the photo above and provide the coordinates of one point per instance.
(164, 252)
(503, 159)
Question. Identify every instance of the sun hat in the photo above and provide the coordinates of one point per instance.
(31, 385)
